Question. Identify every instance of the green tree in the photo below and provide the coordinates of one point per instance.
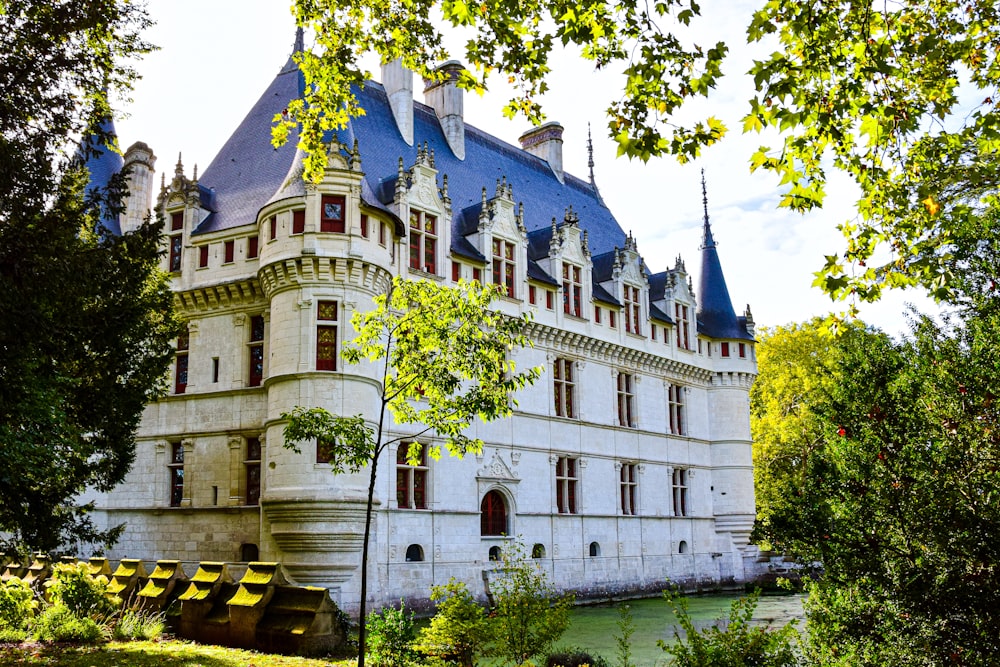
(445, 360)
(738, 644)
(459, 631)
(85, 337)
(528, 615)
(901, 97)
(795, 370)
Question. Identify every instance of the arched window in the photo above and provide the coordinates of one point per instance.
(414, 554)
(538, 551)
(493, 518)
(494, 553)
(595, 549)
(682, 548)
(249, 553)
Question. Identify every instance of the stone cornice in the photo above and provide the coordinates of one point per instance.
(294, 272)
(614, 353)
(231, 295)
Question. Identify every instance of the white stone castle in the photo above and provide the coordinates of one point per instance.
(626, 464)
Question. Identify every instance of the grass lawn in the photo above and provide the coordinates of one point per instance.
(150, 654)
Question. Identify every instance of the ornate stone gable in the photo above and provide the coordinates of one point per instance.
(500, 216)
(420, 186)
(496, 470)
(569, 243)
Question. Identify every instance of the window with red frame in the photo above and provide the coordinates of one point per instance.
(202, 257)
(532, 295)
(176, 470)
(683, 326)
(566, 481)
(181, 363)
(629, 484)
(423, 242)
(724, 349)
(572, 290)
(229, 252)
(632, 309)
(503, 265)
(364, 225)
(272, 225)
(256, 349)
(456, 272)
(564, 387)
(253, 247)
(298, 221)
(411, 479)
(252, 467)
(332, 214)
(493, 515)
(326, 336)
(626, 399)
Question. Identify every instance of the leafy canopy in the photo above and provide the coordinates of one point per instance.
(901, 97)
(446, 360)
(514, 39)
(85, 337)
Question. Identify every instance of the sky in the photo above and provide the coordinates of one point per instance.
(216, 57)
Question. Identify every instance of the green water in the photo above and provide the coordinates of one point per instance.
(594, 628)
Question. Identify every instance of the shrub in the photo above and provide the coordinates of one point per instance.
(528, 615)
(134, 623)
(458, 632)
(58, 624)
(83, 595)
(738, 645)
(574, 657)
(389, 637)
(17, 606)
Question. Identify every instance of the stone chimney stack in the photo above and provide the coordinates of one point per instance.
(398, 83)
(545, 141)
(446, 98)
(139, 164)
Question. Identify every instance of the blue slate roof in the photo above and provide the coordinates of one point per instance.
(102, 163)
(248, 170)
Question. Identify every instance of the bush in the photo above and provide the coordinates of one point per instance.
(83, 595)
(458, 632)
(134, 623)
(574, 657)
(17, 606)
(738, 645)
(58, 624)
(528, 615)
(389, 637)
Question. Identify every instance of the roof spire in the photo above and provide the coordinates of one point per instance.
(590, 154)
(299, 44)
(708, 241)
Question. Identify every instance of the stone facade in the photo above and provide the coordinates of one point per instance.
(626, 464)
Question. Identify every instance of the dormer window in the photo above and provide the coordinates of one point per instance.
(632, 309)
(332, 215)
(572, 290)
(683, 326)
(176, 240)
(503, 265)
(423, 241)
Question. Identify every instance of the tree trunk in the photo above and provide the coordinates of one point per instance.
(364, 565)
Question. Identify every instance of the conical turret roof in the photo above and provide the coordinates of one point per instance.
(102, 163)
(716, 317)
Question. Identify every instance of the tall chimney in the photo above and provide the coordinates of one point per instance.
(398, 83)
(545, 141)
(139, 164)
(447, 100)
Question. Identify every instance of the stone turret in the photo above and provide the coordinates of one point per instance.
(140, 166)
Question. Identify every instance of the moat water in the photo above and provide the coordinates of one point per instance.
(594, 628)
